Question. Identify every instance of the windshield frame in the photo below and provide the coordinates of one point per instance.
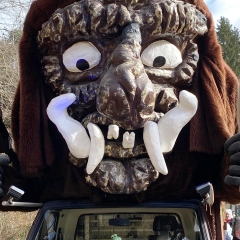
(87, 207)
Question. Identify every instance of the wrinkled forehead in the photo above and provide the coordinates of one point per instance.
(106, 19)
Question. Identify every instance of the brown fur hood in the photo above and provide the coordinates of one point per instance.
(215, 86)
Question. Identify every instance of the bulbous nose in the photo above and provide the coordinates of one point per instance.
(126, 94)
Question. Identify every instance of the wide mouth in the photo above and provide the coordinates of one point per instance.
(119, 160)
(114, 148)
(123, 169)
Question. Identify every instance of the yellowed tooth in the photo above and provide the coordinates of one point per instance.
(96, 152)
(113, 131)
(72, 131)
(128, 140)
(152, 143)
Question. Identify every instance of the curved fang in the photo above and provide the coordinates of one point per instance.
(153, 146)
(97, 147)
(72, 131)
(170, 125)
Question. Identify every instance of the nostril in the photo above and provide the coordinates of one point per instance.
(147, 111)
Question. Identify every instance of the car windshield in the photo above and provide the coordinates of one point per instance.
(129, 226)
(120, 224)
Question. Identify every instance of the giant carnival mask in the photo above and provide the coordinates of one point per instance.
(120, 70)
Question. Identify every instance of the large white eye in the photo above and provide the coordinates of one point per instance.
(81, 56)
(161, 54)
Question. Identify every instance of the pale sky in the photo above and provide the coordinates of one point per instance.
(219, 8)
(225, 8)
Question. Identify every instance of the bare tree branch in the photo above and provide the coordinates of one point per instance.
(13, 13)
(11, 20)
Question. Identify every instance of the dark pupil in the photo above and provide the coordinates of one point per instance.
(82, 64)
(159, 61)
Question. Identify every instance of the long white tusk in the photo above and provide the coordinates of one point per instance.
(170, 125)
(128, 140)
(97, 147)
(72, 131)
(113, 131)
(153, 146)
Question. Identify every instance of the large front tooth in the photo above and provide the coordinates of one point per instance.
(128, 140)
(153, 146)
(170, 125)
(97, 147)
(113, 131)
(72, 131)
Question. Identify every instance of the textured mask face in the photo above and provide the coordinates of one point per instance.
(126, 63)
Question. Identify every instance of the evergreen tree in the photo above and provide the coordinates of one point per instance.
(14, 35)
(229, 38)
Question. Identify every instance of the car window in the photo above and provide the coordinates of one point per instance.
(49, 226)
(130, 226)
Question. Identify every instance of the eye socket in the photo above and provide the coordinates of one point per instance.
(81, 56)
(161, 54)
